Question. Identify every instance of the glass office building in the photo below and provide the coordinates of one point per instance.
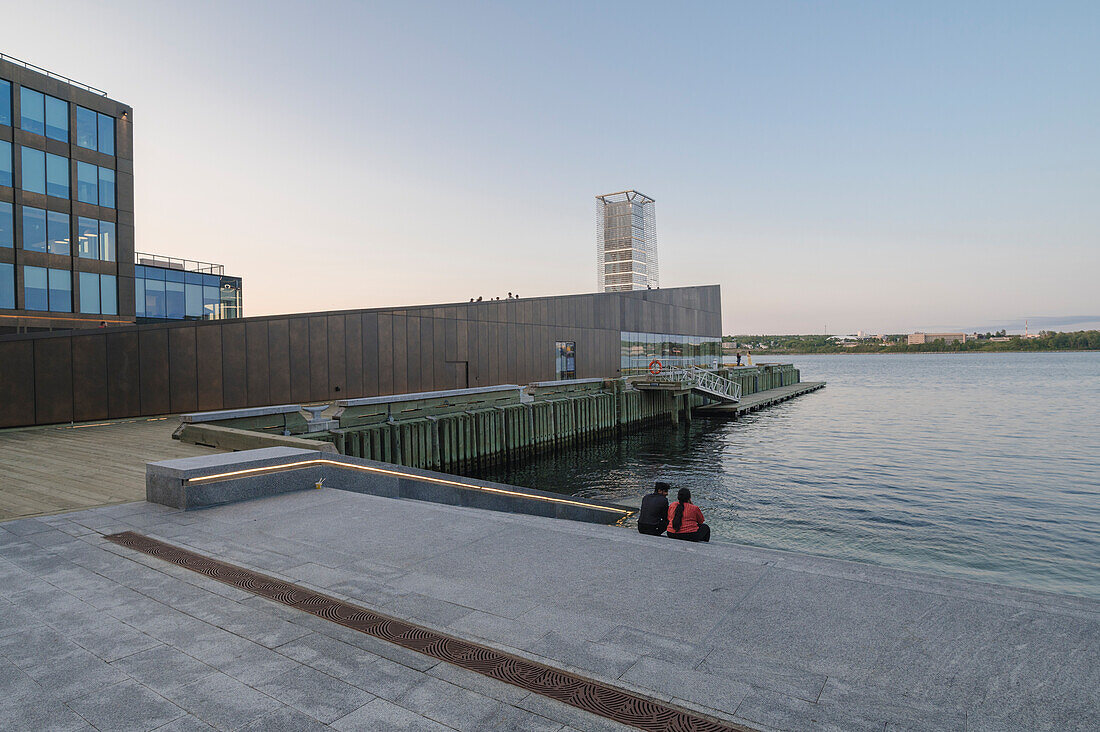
(179, 289)
(626, 242)
(638, 350)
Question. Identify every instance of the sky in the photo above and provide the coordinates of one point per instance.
(885, 167)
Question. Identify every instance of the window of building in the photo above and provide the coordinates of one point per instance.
(36, 295)
(87, 183)
(57, 232)
(107, 187)
(32, 111)
(106, 134)
(89, 293)
(5, 102)
(7, 224)
(192, 295)
(87, 238)
(61, 291)
(5, 163)
(107, 245)
(57, 119)
(34, 229)
(7, 286)
(34, 170)
(57, 176)
(95, 131)
(566, 359)
(108, 294)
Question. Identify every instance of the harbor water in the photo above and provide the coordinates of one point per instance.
(980, 466)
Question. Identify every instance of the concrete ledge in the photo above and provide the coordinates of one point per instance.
(231, 438)
(396, 398)
(224, 414)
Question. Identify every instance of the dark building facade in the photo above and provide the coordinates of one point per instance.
(198, 365)
(66, 203)
(167, 288)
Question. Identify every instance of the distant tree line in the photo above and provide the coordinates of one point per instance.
(1082, 340)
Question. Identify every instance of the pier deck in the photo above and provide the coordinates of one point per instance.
(764, 639)
(759, 400)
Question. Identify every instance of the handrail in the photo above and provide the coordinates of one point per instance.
(706, 381)
(52, 75)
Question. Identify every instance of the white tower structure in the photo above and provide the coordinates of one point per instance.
(626, 242)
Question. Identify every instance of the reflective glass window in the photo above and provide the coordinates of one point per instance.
(5, 163)
(61, 291)
(106, 134)
(7, 286)
(57, 176)
(36, 295)
(57, 232)
(107, 246)
(32, 111)
(174, 300)
(192, 300)
(86, 128)
(5, 102)
(108, 294)
(87, 238)
(89, 293)
(107, 187)
(154, 298)
(211, 308)
(7, 224)
(154, 273)
(34, 229)
(173, 275)
(192, 278)
(139, 297)
(57, 119)
(211, 280)
(87, 183)
(34, 170)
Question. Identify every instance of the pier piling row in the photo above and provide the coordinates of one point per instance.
(463, 428)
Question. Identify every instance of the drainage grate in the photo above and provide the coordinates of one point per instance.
(577, 691)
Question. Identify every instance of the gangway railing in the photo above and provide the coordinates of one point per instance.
(705, 382)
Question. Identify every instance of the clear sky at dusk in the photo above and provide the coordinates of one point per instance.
(876, 166)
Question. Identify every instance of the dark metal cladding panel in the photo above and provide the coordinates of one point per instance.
(123, 376)
(298, 335)
(370, 354)
(337, 357)
(278, 361)
(234, 366)
(16, 383)
(479, 369)
(385, 353)
(400, 355)
(153, 359)
(412, 344)
(89, 376)
(353, 356)
(257, 364)
(53, 380)
(318, 359)
(183, 370)
(208, 360)
(430, 374)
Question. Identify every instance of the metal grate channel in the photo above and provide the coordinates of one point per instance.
(577, 691)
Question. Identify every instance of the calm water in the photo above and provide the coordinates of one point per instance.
(978, 466)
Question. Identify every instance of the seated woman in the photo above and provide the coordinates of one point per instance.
(685, 520)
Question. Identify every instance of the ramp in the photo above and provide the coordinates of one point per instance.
(700, 381)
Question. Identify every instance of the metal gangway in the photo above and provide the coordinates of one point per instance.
(702, 381)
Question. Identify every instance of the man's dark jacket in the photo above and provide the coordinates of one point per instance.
(654, 511)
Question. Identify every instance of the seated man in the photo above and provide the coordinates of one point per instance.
(653, 518)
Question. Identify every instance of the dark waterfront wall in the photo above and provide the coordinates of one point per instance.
(49, 378)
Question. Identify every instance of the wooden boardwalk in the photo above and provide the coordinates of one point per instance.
(53, 469)
(759, 400)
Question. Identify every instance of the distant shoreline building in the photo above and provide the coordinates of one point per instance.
(916, 339)
(626, 242)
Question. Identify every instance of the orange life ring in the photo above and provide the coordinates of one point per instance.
(654, 367)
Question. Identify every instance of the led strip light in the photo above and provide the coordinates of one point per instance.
(248, 472)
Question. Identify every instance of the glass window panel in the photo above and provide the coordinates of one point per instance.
(173, 275)
(57, 119)
(87, 183)
(7, 286)
(211, 309)
(108, 294)
(32, 111)
(61, 291)
(89, 293)
(154, 273)
(34, 170)
(87, 238)
(139, 297)
(57, 176)
(7, 224)
(211, 280)
(154, 298)
(5, 102)
(35, 293)
(86, 128)
(106, 134)
(229, 300)
(107, 246)
(57, 232)
(192, 296)
(5, 163)
(175, 306)
(192, 278)
(34, 229)
(107, 187)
